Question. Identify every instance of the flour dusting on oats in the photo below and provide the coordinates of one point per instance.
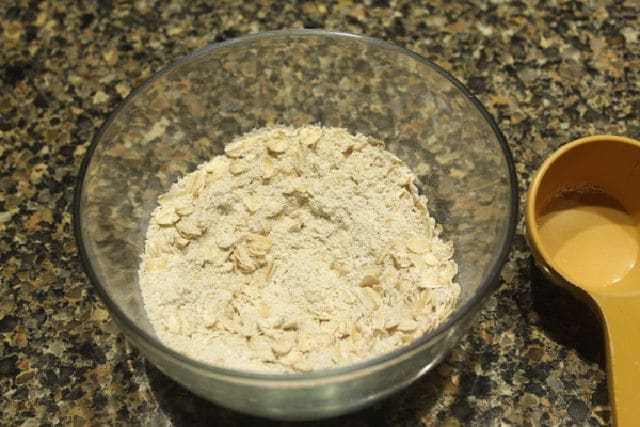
(298, 249)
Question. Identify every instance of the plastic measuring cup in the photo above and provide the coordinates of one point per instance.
(583, 226)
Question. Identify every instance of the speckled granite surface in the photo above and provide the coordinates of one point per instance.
(549, 72)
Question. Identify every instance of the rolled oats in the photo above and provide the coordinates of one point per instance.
(166, 215)
(298, 249)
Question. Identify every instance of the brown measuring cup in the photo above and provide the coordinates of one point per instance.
(583, 226)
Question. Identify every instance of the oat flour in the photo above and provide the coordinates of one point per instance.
(299, 249)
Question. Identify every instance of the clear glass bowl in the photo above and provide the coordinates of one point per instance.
(185, 114)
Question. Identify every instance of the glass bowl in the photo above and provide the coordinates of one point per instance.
(183, 116)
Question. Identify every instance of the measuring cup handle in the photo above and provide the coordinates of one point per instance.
(622, 323)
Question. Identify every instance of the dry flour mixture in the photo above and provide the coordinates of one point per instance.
(299, 249)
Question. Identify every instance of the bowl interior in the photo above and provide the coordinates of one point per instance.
(186, 113)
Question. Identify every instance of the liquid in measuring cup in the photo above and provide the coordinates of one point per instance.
(590, 237)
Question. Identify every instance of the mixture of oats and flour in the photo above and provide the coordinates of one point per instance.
(299, 249)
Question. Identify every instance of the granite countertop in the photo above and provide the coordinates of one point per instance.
(549, 72)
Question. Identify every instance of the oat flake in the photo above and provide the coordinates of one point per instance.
(297, 250)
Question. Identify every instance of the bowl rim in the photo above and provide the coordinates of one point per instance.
(326, 373)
